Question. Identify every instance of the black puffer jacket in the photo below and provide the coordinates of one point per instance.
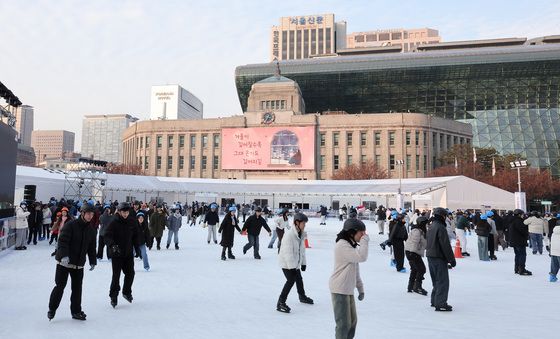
(518, 232)
(212, 218)
(483, 228)
(253, 225)
(143, 232)
(398, 232)
(77, 239)
(438, 242)
(124, 233)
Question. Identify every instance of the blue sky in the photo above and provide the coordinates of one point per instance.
(71, 58)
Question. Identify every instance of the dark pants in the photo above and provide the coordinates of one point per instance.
(253, 242)
(440, 280)
(60, 279)
(491, 248)
(244, 215)
(126, 265)
(520, 257)
(398, 251)
(33, 231)
(45, 230)
(292, 276)
(150, 241)
(417, 270)
(53, 238)
(280, 233)
(100, 246)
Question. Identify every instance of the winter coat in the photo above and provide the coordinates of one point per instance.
(438, 245)
(536, 225)
(553, 222)
(483, 228)
(493, 226)
(324, 211)
(253, 225)
(227, 228)
(157, 224)
(212, 218)
(104, 221)
(35, 218)
(292, 251)
(381, 215)
(499, 222)
(21, 218)
(143, 232)
(416, 241)
(398, 232)
(462, 223)
(58, 225)
(124, 233)
(346, 275)
(77, 238)
(174, 222)
(281, 223)
(518, 232)
(47, 216)
(554, 242)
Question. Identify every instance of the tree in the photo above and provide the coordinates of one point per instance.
(115, 168)
(365, 171)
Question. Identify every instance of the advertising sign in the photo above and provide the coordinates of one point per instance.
(273, 148)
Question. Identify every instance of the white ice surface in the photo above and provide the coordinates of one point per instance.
(191, 293)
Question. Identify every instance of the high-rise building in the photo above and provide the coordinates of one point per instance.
(407, 39)
(172, 102)
(300, 37)
(52, 144)
(101, 136)
(24, 124)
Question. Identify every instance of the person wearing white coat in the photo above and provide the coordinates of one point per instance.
(292, 261)
(21, 225)
(554, 254)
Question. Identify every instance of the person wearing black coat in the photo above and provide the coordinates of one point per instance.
(518, 236)
(253, 226)
(212, 219)
(397, 237)
(76, 239)
(35, 222)
(227, 229)
(121, 237)
(440, 255)
(143, 236)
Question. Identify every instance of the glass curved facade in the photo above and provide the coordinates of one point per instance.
(509, 95)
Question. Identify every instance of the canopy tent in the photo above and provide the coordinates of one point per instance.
(452, 192)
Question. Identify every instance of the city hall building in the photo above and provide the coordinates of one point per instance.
(277, 139)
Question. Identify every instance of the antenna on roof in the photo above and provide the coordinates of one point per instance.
(277, 70)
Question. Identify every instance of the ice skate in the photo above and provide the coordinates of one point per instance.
(128, 297)
(282, 307)
(444, 308)
(305, 300)
(79, 316)
(50, 314)
(114, 302)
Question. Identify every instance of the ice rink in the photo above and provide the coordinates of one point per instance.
(191, 293)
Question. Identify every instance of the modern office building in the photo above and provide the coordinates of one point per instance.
(24, 123)
(507, 89)
(301, 37)
(52, 144)
(407, 39)
(275, 139)
(172, 102)
(101, 136)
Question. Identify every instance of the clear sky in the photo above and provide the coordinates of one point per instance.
(71, 58)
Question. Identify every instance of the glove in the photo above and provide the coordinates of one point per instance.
(361, 296)
(91, 267)
(303, 267)
(65, 261)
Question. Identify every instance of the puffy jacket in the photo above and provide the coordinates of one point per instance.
(174, 222)
(292, 251)
(104, 221)
(398, 232)
(212, 218)
(157, 224)
(253, 225)
(281, 223)
(77, 238)
(536, 225)
(493, 226)
(438, 245)
(124, 233)
(21, 218)
(346, 275)
(518, 232)
(483, 228)
(416, 241)
(462, 223)
(47, 216)
(554, 242)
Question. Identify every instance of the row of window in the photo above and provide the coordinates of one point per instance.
(273, 104)
(145, 161)
(144, 142)
(363, 159)
(392, 137)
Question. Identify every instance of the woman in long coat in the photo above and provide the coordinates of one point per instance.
(227, 227)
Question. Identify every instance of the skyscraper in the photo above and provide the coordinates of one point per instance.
(101, 136)
(52, 144)
(24, 124)
(171, 102)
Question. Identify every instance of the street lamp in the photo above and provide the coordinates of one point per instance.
(520, 201)
(400, 200)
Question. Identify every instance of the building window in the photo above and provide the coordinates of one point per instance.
(158, 141)
(335, 139)
(192, 162)
(181, 162)
(396, 36)
(348, 160)
(170, 141)
(417, 138)
(391, 138)
(377, 137)
(193, 140)
(216, 140)
(216, 163)
(146, 161)
(205, 140)
(391, 162)
(158, 162)
(203, 162)
(408, 161)
(349, 138)
(363, 159)
(441, 141)
(425, 135)
(425, 163)
(322, 139)
(169, 162)
(147, 142)
(384, 36)
(181, 141)
(363, 138)
(141, 142)
(322, 163)
(408, 138)
(335, 162)
(378, 160)
(417, 162)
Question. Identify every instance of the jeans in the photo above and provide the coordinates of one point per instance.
(212, 233)
(520, 257)
(273, 240)
(253, 242)
(345, 315)
(45, 231)
(60, 279)
(536, 242)
(483, 248)
(440, 280)
(174, 234)
(126, 265)
(554, 264)
(144, 255)
(292, 276)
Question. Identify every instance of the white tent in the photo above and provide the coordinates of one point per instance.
(450, 192)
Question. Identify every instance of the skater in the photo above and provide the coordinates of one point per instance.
(143, 234)
(282, 224)
(492, 235)
(157, 225)
(440, 259)
(121, 237)
(554, 254)
(212, 219)
(174, 222)
(483, 229)
(461, 228)
(351, 248)
(536, 230)
(104, 220)
(397, 237)
(76, 240)
(253, 226)
(35, 222)
(381, 217)
(47, 220)
(229, 223)
(324, 212)
(292, 261)
(21, 225)
(415, 248)
(518, 236)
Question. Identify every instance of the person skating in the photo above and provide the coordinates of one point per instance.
(554, 254)
(174, 222)
(536, 230)
(461, 228)
(22, 225)
(47, 221)
(415, 248)
(492, 236)
(157, 225)
(143, 235)
(253, 226)
(121, 237)
(324, 213)
(397, 237)
(282, 224)
(381, 217)
(518, 236)
(351, 248)
(212, 219)
(104, 221)
(227, 229)
(483, 229)
(76, 240)
(440, 255)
